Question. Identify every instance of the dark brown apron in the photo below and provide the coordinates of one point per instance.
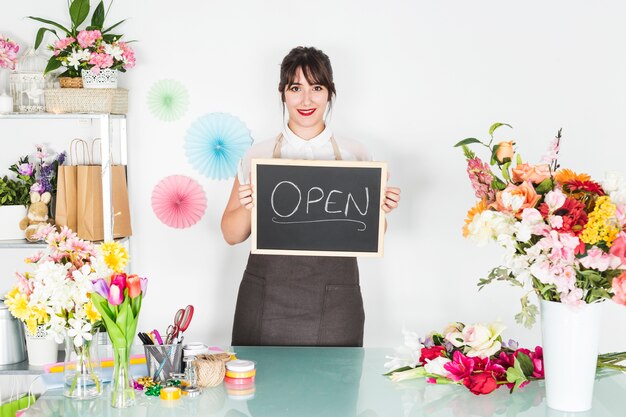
(299, 300)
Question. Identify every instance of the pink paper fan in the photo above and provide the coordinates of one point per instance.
(178, 201)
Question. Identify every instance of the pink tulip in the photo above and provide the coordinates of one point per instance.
(116, 295)
(120, 281)
(619, 289)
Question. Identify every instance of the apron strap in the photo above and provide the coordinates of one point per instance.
(279, 143)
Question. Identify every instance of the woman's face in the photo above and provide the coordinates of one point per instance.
(306, 104)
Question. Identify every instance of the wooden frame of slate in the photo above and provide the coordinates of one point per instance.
(323, 208)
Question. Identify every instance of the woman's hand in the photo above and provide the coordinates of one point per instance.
(245, 196)
(392, 199)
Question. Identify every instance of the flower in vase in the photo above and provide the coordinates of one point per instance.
(619, 289)
(115, 255)
(79, 331)
(87, 38)
(8, 53)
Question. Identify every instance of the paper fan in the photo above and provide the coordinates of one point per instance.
(168, 100)
(215, 143)
(178, 201)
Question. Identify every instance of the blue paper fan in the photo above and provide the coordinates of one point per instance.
(215, 143)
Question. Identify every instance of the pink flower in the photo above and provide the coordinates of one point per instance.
(460, 367)
(597, 259)
(87, 38)
(100, 61)
(618, 248)
(63, 43)
(619, 289)
(481, 178)
(574, 298)
(128, 55)
(116, 295)
(8, 53)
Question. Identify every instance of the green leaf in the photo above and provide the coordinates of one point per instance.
(113, 27)
(404, 368)
(50, 22)
(498, 184)
(467, 142)
(53, 64)
(40, 33)
(526, 363)
(97, 19)
(79, 10)
(519, 159)
(497, 125)
(545, 186)
(505, 170)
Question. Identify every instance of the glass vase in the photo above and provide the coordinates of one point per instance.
(82, 370)
(122, 388)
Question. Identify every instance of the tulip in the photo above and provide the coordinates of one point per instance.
(144, 285)
(134, 285)
(120, 281)
(504, 151)
(116, 295)
(101, 287)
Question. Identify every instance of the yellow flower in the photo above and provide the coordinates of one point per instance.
(602, 224)
(31, 326)
(17, 304)
(115, 256)
(92, 314)
(478, 208)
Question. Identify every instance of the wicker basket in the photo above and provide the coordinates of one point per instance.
(71, 82)
(81, 100)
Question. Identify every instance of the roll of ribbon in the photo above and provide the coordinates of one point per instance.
(170, 393)
(240, 365)
(248, 374)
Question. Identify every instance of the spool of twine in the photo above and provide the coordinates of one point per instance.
(210, 369)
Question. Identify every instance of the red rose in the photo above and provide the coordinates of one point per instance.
(431, 353)
(480, 383)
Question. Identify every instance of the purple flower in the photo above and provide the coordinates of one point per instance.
(513, 345)
(26, 169)
(62, 157)
(144, 285)
(101, 287)
(37, 188)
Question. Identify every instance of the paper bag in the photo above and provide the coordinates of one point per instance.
(65, 208)
(89, 202)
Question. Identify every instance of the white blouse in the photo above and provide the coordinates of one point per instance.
(294, 147)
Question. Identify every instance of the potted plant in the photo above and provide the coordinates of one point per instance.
(33, 173)
(92, 54)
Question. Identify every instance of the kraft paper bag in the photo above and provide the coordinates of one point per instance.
(89, 202)
(65, 214)
(65, 208)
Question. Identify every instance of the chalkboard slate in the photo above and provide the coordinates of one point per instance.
(328, 208)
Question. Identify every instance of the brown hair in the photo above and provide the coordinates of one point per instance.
(314, 63)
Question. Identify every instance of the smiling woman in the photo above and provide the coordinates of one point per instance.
(298, 300)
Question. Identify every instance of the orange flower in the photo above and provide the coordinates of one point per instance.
(532, 173)
(566, 175)
(478, 208)
(505, 150)
(515, 198)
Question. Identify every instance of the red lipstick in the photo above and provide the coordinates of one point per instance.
(306, 112)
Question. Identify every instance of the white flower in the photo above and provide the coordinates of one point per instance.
(407, 354)
(77, 57)
(479, 339)
(435, 366)
(115, 51)
(80, 331)
(489, 225)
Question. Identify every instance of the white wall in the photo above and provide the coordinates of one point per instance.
(413, 78)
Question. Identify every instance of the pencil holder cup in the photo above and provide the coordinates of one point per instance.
(163, 360)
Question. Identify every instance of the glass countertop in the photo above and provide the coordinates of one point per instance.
(338, 382)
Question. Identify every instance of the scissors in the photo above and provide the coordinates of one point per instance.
(182, 318)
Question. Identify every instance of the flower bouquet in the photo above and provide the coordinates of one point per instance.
(118, 298)
(562, 231)
(94, 48)
(564, 239)
(38, 172)
(474, 356)
(56, 296)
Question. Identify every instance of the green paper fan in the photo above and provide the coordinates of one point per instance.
(168, 100)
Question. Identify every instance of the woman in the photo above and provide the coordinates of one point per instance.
(298, 300)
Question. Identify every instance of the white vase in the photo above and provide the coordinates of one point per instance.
(106, 78)
(570, 354)
(42, 349)
(10, 217)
